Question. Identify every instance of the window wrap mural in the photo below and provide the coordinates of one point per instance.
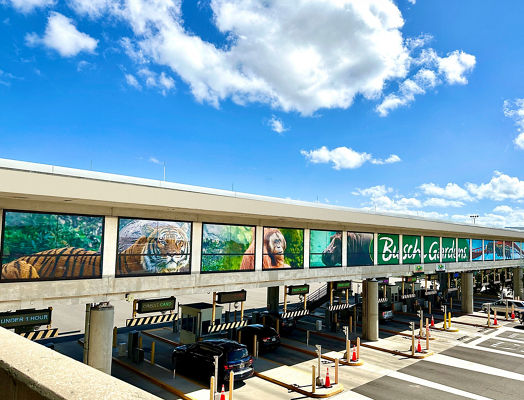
(51, 246)
(508, 250)
(476, 249)
(153, 247)
(449, 249)
(325, 248)
(228, 248)
(283, 248)
(411, 249)
(388, 249)
(499, 250)
(431, 249)
(360, 248)
(488, 250)
(463, 250)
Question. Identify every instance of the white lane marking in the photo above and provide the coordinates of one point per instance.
(473, 366)
(508, 340)
(438, 386)
(490, 350)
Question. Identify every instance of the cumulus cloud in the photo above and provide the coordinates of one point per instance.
(515, 110)
(155, 160)
(160, 81)
(61, 35)
(344, 157)
(26, 6)
(434, 71)
(6, 78)
(500, 187)
(132, 81)
(450, 191)
(439, 202)
(277, 125)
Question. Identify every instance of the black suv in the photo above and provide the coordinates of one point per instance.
(197, 359)
(268, 339)
(286, 324)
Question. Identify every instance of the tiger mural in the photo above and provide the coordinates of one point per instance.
(165, 250)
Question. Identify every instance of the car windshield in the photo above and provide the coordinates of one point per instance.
(268, 332)
(237, 354)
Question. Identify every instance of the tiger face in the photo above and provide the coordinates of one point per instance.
(166, 250)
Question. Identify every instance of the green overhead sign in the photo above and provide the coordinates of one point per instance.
(431, 249)
(411, 249)
(231, 297)
(343, 285)
(27, 317)
(449, 249)
(155, 305)
(298, 289)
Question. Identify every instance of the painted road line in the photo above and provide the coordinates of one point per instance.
(459, 363)
(433, 385)
(489, 350)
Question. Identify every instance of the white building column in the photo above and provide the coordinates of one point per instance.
(196, 247)
(307, 234)
(110, 246)
(467, 292)
(99, 337)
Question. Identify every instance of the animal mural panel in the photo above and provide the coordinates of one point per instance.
(325, 248)
(489, 253)
(360, 249)
(227, 248)
(46, 246)
(153, 247)
(477, 249)
(283, 248)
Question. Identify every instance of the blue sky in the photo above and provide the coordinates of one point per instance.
(414, 107)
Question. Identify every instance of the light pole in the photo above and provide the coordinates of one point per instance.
(474, 217)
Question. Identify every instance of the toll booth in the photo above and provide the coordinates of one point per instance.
(196, 320)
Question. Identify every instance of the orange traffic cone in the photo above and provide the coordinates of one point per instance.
(327, 384)
(512, 315)
(495, 320)
(419, 347)
(432, 322)
(354, 356)
(223, 394)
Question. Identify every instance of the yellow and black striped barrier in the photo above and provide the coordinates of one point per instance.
(154, 319)
(37, 335)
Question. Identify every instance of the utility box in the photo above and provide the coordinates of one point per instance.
(196, 320)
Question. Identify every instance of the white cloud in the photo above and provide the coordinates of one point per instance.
(26, 6)
(91, 8)
(6, 78)
(374, 191)
(451, 191)
(393, 158)
(62, 36)
(132, 81)
(439, 202)
(503, 209)
(277, 125)
(455, 66)
(413, 1)
(341, 157)
(155, 160)
(161, 81)
(515, 110)
(500, 187)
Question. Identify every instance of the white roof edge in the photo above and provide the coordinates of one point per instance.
(117, 178)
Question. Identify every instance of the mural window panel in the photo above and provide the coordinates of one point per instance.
(449, 249)
(476, 249)
(463, 250)
(431, 249)
(360, 249)
(325, 248)
(150, 247)
(499, 249)
(411, 249)
(283, 248)
(227, 248)
(47, 246)
(508, 250)
(488, 250)
(388, 249)
(515, 253)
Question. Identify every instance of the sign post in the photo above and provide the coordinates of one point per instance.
(412, 326)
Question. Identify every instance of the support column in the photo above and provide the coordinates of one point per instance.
(518, 289)
(99, 337)
(273, 297)
(467, 292)
(370, 309)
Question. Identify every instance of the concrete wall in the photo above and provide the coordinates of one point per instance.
(29, 371)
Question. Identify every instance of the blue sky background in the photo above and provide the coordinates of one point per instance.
(79, 110)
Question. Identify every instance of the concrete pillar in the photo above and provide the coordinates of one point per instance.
(110, 244)
(370, 309)
(467, 292)
(196, 247)
(518, 289)
(100, 337)
(273, 297)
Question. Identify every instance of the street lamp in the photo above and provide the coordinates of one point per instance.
(474, 217)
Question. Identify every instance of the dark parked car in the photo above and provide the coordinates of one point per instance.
(197, 359)
(268, 339)
(286, 324)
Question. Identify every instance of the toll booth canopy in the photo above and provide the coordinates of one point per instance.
(196, 320)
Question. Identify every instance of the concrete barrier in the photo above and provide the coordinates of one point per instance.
(30, 371)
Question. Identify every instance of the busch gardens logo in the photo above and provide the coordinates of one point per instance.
(388, 249)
